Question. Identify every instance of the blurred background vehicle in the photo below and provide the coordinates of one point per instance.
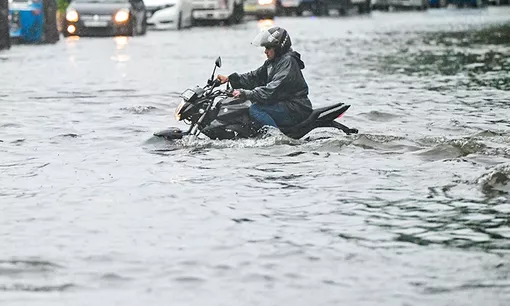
(287, 7)
(438, 3)
(291, 7)
(343, 6)
(298, 7)
(409, 4)
(498, 2)
(363, 6)
(105, 18)
(323, 7)
(262, 9)
(33, 21)
(469, 3)
(169, 14)
(380, 5)
(5, 41)
(227, 11)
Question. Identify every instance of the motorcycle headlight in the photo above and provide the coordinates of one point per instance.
(178, 110)
(122, 15)
(72, 15)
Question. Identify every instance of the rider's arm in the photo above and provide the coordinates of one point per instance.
(249, 80)
(286, 72)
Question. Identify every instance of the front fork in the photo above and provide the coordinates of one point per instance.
(193, 130)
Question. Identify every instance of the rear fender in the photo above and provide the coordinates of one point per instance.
(326, 118)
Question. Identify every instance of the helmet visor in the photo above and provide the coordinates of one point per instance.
(264, 39)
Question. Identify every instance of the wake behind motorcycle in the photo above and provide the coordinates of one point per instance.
(217, 114)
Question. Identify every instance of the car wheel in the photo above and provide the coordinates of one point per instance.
(132, 30)
(179, 21)
(316, 11)
(367, 8)
(191, 21)
(321, 9)
(144, 26)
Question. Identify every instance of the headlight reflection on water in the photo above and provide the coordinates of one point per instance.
(121, 42)
(120, 45)
(71, 42)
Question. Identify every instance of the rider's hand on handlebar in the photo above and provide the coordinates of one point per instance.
(239, 93)
(223, 79)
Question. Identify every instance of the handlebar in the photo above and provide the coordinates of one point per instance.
(222, 92)
(213, 83)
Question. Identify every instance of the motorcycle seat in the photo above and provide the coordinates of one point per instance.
(319, 117)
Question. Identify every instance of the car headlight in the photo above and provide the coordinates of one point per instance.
(178, 110)
(265, 2)
(72, 15)
(122, 15)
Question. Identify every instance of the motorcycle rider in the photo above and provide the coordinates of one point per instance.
(277, 89)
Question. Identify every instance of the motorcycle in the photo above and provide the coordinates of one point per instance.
(217, 114)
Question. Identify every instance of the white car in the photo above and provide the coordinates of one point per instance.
(169, 14)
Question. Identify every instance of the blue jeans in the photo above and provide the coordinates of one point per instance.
(273, 115)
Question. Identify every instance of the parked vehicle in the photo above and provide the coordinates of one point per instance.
(469, 3)
(169, 14)
(363, 6)
(323, 7)
(262, 9)
(105, 18)
(438, 3)
(5, 40)
(342, 6)
(291, 7)
(381, 5)
(409, 4)
(229, 11)
(498, 2)
(33, 21)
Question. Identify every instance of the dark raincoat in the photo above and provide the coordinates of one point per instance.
(277, 81)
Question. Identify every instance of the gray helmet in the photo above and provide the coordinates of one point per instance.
(274, 37)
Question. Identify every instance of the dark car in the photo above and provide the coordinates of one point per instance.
(105, 18)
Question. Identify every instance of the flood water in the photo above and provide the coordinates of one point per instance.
(414, 210)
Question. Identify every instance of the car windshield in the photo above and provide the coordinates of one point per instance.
(102, 1)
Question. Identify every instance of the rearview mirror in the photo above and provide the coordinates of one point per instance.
(218, 62)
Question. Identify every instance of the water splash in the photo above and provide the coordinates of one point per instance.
(497, 179)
